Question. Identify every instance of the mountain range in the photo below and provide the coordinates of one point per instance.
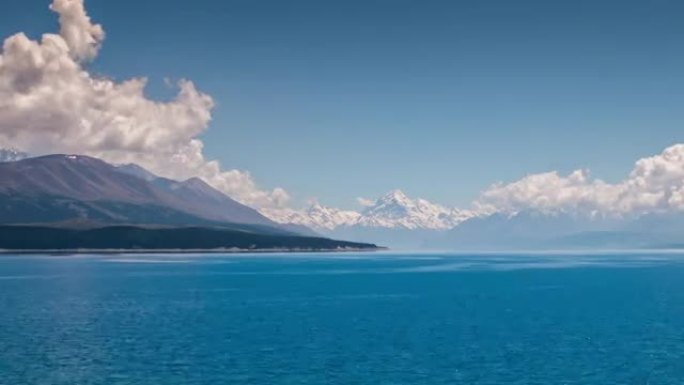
(85, 193)
(561, 230)
(392, 210)
(74, 191)
(394, 219)
(398, 221)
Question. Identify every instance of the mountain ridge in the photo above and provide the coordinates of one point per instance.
(394, 210)
(65, 187)
(533, 229)
(393, 220)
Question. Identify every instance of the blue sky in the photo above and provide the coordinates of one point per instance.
(337, 100)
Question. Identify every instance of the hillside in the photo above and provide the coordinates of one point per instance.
(58, 188)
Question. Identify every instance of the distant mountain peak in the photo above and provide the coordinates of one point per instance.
(394, 196)
(396, 210)
(316, 216)
(393, 210)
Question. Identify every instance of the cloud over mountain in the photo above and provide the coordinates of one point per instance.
(50, 103)
(655, 184)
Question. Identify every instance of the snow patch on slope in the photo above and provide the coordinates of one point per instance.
(316, 216)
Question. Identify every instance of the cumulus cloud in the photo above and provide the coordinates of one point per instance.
(82, 36)
(655, 184)
(50, 103)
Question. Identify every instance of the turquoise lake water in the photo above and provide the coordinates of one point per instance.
(383, 318)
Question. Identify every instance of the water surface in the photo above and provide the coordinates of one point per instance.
(378, 318)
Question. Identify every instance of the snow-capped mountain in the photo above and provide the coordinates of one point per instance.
(316, 216)
(11, 155)
(393, 210)
(396, 210)
(393, 220)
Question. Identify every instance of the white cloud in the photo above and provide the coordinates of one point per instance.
(49, 103)
(365, 202)
(82, 36)
(655, 184)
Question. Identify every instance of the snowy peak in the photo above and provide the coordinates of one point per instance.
(316, 216)
(394, 197)
(396, 210)
(393, 210)
(394, 204)
(330, 218)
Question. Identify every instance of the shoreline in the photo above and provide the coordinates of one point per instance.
(189, 251)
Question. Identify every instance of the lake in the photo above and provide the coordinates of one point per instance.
(351, 318)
